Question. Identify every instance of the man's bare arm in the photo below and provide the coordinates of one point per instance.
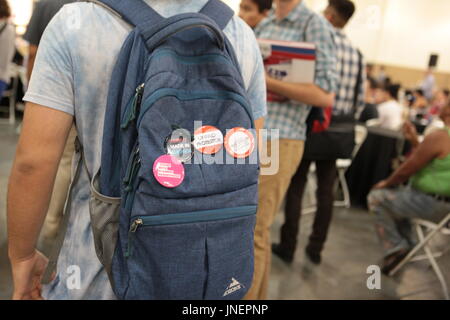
(428, 150)
(309, 94)
(41, 144)
(259, 124)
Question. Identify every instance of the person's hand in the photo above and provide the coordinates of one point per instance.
(381, 185)
(27, 276)
(269, 80)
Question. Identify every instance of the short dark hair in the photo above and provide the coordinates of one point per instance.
(373, 84)
(420, 92)
(5, 11)
(446, 92)
(263, 5)
(392, 89)
(344, 8)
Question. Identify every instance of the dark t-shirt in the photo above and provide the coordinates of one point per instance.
(42, 14)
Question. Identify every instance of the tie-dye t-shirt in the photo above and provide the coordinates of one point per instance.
(71, 74)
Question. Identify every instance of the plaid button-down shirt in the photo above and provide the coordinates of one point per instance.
(302, 25)
(348, 64)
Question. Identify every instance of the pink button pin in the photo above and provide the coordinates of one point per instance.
(168, 171)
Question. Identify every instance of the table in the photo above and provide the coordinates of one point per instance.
(373, 162)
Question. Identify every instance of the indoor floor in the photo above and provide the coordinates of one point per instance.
(351, 248)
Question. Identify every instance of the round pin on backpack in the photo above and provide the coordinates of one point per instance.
(179, 145)
(208, 139)
(168, 171)
(239, 143)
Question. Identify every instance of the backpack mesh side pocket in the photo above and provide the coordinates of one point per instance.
(104, 212)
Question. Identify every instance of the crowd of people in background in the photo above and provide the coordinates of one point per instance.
(393, 105)
(342, 81)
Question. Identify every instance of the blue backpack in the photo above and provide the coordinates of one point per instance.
(173, 205)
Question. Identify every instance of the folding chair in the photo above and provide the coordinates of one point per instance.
(431, 230)
(310, 190)
(343, 165)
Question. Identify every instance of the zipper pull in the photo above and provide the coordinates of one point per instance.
(139, 93)
(134, 109)
(136, 223)
(138, 101)
(130, 170)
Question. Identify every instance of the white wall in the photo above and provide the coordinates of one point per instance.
(395, 32)
(413, 29)
(400, 32)
(234, 4)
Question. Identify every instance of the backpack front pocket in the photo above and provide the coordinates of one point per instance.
(193, 255)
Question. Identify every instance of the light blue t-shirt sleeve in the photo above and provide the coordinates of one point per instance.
(250, 60)
(51, 83)
(257, 88)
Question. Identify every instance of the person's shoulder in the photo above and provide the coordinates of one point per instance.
(436, 140)
(82, 14)
(319, 20)
(437, 135)
(384, 106)
(239, 25)
(319, 25)
(86, 6)
(239, 31)
(342, 37)
(398, 106)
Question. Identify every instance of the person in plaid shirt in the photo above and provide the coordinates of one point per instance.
(349, 100)
(291, 20)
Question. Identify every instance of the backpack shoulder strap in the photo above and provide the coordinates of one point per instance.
(134, 12)
(218, 11)
(358, 81)
(59, 241)
(305, 29)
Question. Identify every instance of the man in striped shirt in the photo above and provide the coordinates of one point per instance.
(323, 152)
(291, 20)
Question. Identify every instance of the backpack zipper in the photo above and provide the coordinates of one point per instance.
(185, 96)
(130, 177)
(133, 111)
(191, 59)
(136, 223)
(192, 217)
(132, 166)
(184, 218)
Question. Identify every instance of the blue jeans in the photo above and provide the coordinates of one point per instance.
(394, 209)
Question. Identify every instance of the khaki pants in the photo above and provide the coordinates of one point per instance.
(60, 190)
(272, 190)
